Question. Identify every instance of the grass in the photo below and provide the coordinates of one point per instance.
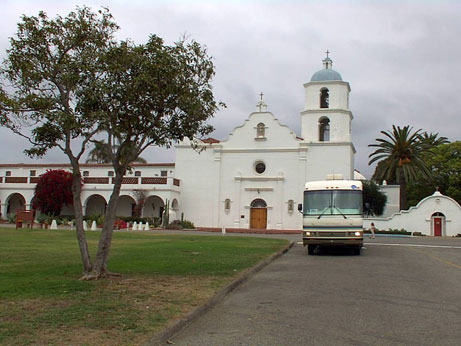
(164, 276)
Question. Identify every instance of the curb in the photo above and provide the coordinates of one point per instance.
(162, 337)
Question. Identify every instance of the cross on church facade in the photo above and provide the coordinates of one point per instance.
(327, 52)
(261, 106)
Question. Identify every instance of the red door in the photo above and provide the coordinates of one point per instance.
(437, 226)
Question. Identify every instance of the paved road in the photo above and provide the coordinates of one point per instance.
(393, 294)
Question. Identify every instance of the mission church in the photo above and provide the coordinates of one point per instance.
(253, 179)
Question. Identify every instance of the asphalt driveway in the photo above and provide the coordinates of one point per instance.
(403, 291)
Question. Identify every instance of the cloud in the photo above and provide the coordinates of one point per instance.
(400, 57)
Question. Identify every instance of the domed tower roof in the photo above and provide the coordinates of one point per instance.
(327, 74)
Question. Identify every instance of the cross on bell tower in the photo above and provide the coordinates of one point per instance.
(327, 62)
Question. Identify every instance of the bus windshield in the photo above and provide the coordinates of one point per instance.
(333, 202)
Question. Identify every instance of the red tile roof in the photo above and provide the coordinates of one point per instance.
(210, 140)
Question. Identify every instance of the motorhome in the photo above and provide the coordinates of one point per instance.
(332, 214)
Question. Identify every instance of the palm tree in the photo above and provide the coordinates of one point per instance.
(102, 153)
(433, 139)
(399, 158)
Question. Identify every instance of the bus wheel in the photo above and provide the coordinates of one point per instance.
(310, 249)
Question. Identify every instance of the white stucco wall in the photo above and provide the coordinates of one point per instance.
(199, 172)
(419, 218)
(338, 94)
(328, 158)
(392, 193)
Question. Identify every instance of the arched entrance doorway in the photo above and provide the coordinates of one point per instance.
(258, 214)
(95, 205)
(153, 207)
(437, 222)
(125, 206)
(15, 202)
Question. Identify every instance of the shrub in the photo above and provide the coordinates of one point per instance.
(187, 224)
(53, 191)
(11, 217)
(176, 224)
(41, 218)
(157, 221)
(99, 218)
(418, 234)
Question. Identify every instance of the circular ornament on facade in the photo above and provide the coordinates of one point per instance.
(260, 167)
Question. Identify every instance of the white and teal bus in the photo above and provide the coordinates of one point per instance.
(333, 214)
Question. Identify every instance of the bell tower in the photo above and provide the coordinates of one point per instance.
(326, 125)
(326, 116)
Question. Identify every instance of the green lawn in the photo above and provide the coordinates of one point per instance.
(164, 276)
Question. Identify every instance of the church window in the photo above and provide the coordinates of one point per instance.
(8, 174)
(258, 203)
(163, 173)
(260, 130)
(290, 206)
(324, 130)
(260, 167)
(227, 204)
(137, 173)
(32, 172)
(324, 98)
(86, 173)
(110, 173)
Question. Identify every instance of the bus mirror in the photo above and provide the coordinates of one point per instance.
(300, 207)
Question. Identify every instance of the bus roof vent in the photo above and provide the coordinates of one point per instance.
(334, 176)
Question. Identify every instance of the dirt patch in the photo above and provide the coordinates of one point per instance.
(117, 311)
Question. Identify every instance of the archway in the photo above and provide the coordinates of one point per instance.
(438, 224)
(15, 202)
(324, 98)
(258, 214)
(95, 205)
(324, 129)
(153, 207)
(125, 206)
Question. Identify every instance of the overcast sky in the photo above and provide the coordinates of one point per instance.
(401, 58)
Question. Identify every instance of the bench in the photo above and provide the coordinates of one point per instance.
(25, 217)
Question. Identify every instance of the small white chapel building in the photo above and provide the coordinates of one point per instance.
(253, 179)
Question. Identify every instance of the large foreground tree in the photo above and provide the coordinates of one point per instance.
(135, 95)
(399, 158)
(151, 94)
(49, 64)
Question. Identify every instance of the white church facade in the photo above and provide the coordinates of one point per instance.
(252, 179)
(255, 178)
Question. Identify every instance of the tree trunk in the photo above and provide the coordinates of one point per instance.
(99, 269)
(78, 211)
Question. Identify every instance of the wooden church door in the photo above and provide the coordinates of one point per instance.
(258, 218)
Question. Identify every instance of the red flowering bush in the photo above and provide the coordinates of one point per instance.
(53, 191)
